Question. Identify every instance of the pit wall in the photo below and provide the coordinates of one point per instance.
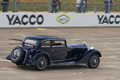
(9, 20)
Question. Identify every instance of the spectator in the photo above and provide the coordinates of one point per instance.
(54, 6)
(5, 5)
(79, 6)
(78, 2)
(59, 5)
(112, 2)
(107, 4)
(84, 6)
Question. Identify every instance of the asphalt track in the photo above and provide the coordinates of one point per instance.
(107, 40)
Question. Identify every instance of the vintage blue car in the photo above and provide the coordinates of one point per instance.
(41, 51)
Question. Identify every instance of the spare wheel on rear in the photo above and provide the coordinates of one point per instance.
(17, 55)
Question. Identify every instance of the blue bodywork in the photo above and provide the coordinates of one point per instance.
(74, 53)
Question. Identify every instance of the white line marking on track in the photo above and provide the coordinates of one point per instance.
(8, 41)
(23, 35)
(4, 60)
(95, 38)
(111, 62)
(101, 43)
(78, 73)
(53, 30)
(110, 49)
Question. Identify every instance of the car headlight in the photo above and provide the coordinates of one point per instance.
(92, 47)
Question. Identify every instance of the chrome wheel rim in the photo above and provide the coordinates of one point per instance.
(16, 53)
(94, 61)
(42, 63)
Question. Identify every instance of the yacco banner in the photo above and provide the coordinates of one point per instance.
(58, 20)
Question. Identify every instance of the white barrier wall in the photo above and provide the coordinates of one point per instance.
(58, 20)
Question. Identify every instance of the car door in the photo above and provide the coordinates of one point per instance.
(46, 46)
(58, 50)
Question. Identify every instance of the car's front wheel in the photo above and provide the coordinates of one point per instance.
(94, 61)
(41, 63)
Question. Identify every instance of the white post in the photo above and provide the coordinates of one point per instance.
(15, 5)
(50, 8)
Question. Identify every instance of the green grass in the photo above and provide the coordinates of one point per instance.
(44, 7)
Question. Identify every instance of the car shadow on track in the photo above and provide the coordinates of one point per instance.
(19, 41)
(67, 67)
(58, 67)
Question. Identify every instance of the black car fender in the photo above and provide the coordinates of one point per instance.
(39, 53)
(92, 51)
(8, 57)
(87, 55)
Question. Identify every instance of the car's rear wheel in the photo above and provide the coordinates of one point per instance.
(17, 55)
(94, 61)
(41, 63)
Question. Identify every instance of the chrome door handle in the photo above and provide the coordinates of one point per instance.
(52, 50)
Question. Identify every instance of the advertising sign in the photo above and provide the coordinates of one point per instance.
(58, 20)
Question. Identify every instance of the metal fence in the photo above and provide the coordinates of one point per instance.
(65, 7)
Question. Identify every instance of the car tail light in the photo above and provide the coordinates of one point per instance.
(24, 44)
(33, 46)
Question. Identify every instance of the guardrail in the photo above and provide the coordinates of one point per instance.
(65, 7)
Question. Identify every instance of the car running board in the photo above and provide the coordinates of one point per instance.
(63, 63)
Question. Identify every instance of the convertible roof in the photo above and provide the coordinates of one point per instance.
(44, 37)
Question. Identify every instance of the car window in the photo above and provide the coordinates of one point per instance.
(30, 43)
(45, 44)
(58, 43)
